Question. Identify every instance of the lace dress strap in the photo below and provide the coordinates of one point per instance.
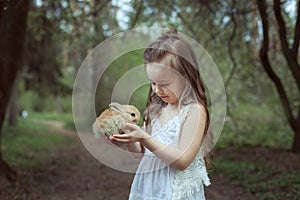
(183, 113)
(191, 180)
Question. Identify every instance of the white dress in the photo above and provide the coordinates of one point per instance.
(156, 180)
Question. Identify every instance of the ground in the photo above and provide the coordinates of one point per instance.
(72, 173)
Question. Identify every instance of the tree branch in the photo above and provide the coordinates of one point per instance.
(218, 32)
(267, 66)
(189, 26)
(230, 52)
(281, 24)
(297, 33)
(288, 53)
(139, 6)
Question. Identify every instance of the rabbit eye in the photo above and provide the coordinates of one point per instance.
(132, 114)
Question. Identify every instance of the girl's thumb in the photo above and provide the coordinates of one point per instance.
(130, 126)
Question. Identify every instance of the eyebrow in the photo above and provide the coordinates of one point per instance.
(160, 81)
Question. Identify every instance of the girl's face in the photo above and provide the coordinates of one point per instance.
(166, 82)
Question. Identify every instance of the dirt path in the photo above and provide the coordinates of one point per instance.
(73, 174)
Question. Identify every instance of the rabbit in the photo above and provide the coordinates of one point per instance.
(112, 120)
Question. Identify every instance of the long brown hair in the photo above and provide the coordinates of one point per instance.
(170, 48)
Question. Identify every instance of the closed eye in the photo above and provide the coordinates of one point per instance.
(164, 85)
(160, 84)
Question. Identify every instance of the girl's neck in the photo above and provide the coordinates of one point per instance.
(172, 107)
(168, 113)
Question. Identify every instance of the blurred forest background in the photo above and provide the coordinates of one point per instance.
(255, 44)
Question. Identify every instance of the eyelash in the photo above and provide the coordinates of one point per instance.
(162, 85)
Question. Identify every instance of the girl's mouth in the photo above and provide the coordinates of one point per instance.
(163, 97)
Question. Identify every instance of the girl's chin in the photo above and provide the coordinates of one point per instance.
(167, 100)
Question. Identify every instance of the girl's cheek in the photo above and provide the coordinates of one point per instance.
(177, 91)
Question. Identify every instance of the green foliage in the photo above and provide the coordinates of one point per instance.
(263, 182)
(43, 53)
(55, 116)
(112, 74)
(30, 143)
(139, 97)
(66, 118)
(232, 36)
(31, 101)
(60, 35)
(255, 126)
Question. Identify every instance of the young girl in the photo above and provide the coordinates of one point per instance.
(175, 124)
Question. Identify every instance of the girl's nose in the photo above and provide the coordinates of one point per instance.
(157, 89)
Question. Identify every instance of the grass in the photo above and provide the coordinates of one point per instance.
(67, 118)
(254, 125)
(30, 143)
(257, 127)
(261, 181)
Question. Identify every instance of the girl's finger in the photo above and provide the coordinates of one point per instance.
(108, 140)
(120, 136)
(131, 126)
(120, 140)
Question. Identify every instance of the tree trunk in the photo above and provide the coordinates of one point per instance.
(296, 139)
(292, 63)
(13, 105)
(9, 173)
(13, 16)
(296, 142)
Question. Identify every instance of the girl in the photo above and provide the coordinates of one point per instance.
(173, 163)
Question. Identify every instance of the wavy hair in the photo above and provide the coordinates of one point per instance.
(172, 50)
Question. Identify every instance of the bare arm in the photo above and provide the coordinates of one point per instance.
(190, 141)
(135, 147)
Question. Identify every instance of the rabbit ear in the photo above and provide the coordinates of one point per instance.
(116, 106)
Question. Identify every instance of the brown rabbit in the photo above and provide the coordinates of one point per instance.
(112, 120)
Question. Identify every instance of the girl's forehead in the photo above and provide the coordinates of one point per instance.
(156, 71)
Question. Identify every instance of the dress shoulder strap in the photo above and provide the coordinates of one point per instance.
(184, 112)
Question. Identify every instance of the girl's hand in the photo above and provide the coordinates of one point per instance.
(107, 140)
(136, 134)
